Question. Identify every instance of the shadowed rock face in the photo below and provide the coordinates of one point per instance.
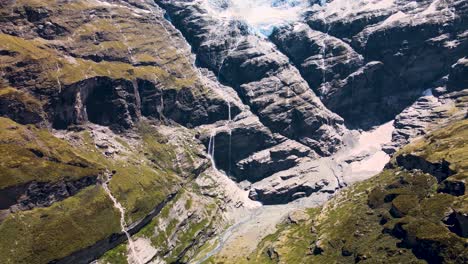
(349, 68)
(260, 74)
(318, 56)
(439, 170)
(406, 48)
(40, 194)
(183, 106)
(457, 78)
(101, 101)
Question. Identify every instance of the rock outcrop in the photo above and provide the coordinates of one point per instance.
(260, 74)
(139, 130)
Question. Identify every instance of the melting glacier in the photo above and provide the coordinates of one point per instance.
(262, 16)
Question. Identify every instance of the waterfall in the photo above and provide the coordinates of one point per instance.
(211, 149)
(230, 137)
(323, 52)
(123, 224)
(236, 45)
(229, 113)
(58, 70)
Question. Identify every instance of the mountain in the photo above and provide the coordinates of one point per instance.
(209, 131)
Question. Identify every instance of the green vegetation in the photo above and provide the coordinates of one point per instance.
(117, 255)
(143, 174)
(32, 154)
(29, 104)
(44, 234)
(397, 216)
(143, 177)
(173, 234)
(156, 148)
(56, 68)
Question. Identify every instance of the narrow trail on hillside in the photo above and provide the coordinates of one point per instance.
(123, 223)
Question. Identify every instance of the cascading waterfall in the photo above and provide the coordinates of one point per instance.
(212, 141)
(323, 51)
(211, 149)
(123, 224)
(58, 77)
(230, 137)
(229, 53)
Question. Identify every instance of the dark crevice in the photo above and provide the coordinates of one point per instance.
(41, 194)
(440, 171)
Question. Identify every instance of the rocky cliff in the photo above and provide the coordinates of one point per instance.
(171, 131)
(412, 212)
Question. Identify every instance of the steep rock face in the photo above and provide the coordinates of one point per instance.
(273, 168)
(320, 57)
(261, 75)
(457, 75)
(184, 105)
(415, 45)
(366, 97)
(82, 66)
(104, 58)
(21, 106)
(101, 101)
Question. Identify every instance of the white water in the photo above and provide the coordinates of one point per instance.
(211, 149)
(212, 141)
(123, 224)
(261, 15)
(230, 137)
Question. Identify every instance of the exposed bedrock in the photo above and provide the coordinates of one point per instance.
(318, 56)
(236, 141)
(286, 193)
(260, 74)
(457, 222)
(277, 168)
(41, 194)
(100, 100)
(344, 19)
(265, 163)
(93, 252)
(440, 170)
(367, 97)
(363, 94)
(427, 112)
(183, 105)
(120, 103)
(21, 107)
(458, 79)
(406, 46)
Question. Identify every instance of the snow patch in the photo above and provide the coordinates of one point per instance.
(393, 19)
(262, 16)
(343, 9)
(365, 158)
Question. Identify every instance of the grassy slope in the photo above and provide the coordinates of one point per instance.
(21, 148)
(144, 176)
